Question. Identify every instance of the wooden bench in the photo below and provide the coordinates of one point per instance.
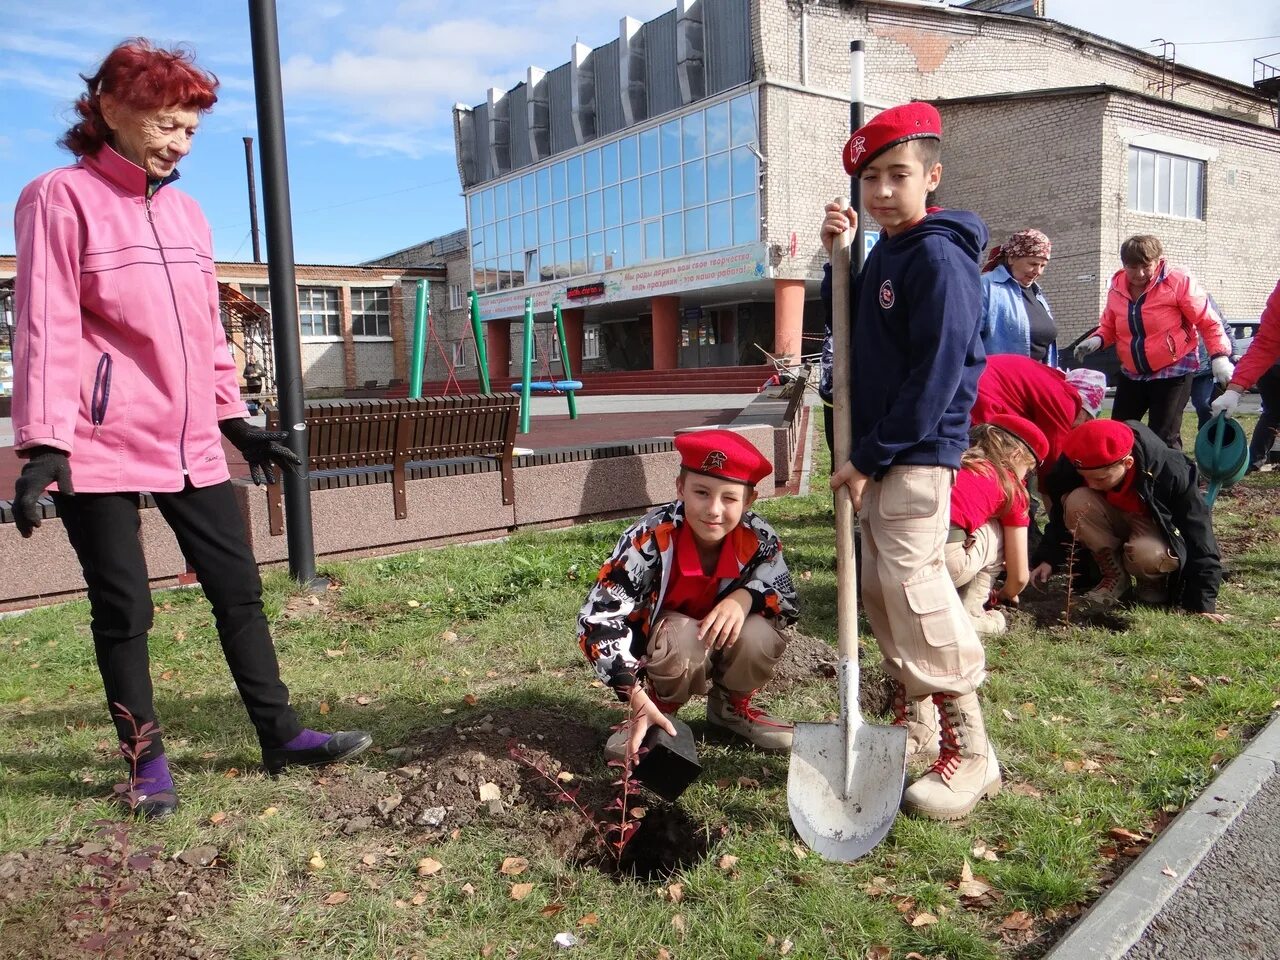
(354, 442)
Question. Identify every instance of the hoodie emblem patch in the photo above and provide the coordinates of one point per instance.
(886, 295)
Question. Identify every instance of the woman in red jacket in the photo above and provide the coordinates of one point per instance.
(1259, 366)
(1152, 315)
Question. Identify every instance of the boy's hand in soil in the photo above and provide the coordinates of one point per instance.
(1041, 574)
(645, 714)
(1215, 617)
(719, 629)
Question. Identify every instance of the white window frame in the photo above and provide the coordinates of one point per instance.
(590, 341)
(332, 318)
(361, 313)
(1160, 183)
(250, 290)
(456, 298)
(463, 354)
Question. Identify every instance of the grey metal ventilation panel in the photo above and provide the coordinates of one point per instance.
(608, 99)
(480, 124)
(727, 39)
(561, 106)
(518, 120)
(660, 50)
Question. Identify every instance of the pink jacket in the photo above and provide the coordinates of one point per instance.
(1265, 349)
(1159, 328)
(119, 354)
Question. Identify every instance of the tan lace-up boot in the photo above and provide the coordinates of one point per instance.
(974, 596)
(920, 717)
(966, 769)
(1115, 579)
(733, 712)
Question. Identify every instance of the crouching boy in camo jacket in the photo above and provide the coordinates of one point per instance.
(698, 590)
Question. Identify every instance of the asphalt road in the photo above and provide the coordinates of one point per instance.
(1226, 910)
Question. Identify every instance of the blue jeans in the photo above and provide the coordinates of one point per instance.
(1202, 396)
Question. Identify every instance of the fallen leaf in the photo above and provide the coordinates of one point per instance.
(747, 783)
(167, 675)
(565, 940)
(363, 700)
(1029, 709)
(879, 952)
(334, 653)
(983, 852)
(413, 603)
(678, 922)
(915, 956)
(1024, 790)
(489, 791)
(369, 859)
(589, 920)
(878, 887)
(418, 899)
(1222, 733)
(324, 707)
(217, 818)
(970, 886)
(335, 898)
(564, 776)
(799, 851)
(514, 866)
(468, 890)
(448, 710)
(232, 773)
(1168, 872)
(664, 954)
(1008, 715)
(1195, 681)
(428, 866)
(1018, 920)
(316, 863)
(639, 812)
(470, 700)
(1128, 836)
(1072, 766)
(551, 909)
(675, 892)
(200, 856)
(727, 862)
(785, 947)
(269, 812)
(449, 636)
(486, 950)
(1090, 765)
(923, 919)
(521, 890)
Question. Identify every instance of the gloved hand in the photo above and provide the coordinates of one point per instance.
(261, 449)
(1226, 403)
(44, 466)
(1222, 368)
(1087, 346)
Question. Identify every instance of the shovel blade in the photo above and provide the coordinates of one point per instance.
(844, 794)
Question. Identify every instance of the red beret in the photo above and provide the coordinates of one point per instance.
(1024, 430)
(1098, 443)
(911, 121)
(723, 454)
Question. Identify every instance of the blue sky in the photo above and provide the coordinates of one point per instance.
(369, 87)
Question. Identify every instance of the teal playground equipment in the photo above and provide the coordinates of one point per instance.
(1222, 453)
(548, 384)
(425, 335)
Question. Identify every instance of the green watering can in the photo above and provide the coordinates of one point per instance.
(1222, 453)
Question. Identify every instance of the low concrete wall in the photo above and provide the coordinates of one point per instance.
(553, 488)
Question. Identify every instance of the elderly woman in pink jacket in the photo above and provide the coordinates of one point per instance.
(123, 383)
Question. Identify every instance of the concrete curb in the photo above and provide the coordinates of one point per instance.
(806, 462)
(1118, 918)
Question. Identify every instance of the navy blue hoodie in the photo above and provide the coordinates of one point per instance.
(917, 351)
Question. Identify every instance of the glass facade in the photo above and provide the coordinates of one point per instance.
(686, 185)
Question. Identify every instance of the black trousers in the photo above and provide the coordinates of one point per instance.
(1165, 399)
(103, 529)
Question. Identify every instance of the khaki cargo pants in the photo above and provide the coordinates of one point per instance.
(928, 643)
(1100, 526)
(986, 552)
(680, 665)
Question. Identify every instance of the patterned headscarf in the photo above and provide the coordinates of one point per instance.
(1024, 243)
(1092, 387)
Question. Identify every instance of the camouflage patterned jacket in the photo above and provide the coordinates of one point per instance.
(613, 626)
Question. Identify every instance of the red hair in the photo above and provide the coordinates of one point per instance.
(142, 77)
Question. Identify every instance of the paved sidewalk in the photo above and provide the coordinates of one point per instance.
(1207, 888)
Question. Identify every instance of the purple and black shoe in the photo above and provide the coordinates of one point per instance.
(313, 749)
(154, 795)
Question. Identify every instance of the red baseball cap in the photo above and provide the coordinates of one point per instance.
(1026, 431)
(724, 455)
(1098, 443)
(911, 121)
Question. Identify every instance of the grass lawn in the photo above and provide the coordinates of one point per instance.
(446, 655)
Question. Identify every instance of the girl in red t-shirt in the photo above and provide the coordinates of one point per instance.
(990, 515)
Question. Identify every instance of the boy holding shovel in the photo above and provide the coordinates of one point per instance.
(697, 590)
(917, 356)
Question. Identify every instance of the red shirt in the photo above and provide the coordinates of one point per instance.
(689, 590)
(977, 497)
(1125, 497)
(1029, 389)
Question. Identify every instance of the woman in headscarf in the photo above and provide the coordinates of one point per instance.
(123, 383)
(1015, 314)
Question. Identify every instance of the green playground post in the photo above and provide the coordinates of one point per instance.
(526, 365)
(564, 360)
(482, 352)
(419, 340)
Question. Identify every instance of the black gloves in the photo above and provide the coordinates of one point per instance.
(45, 465)
(261, 448)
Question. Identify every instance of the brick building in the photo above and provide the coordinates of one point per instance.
(356, 323)
(666, 187)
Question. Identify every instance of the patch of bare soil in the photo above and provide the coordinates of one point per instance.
(38, 898)
(455, 776)
(811, 660)
(1250, 501)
